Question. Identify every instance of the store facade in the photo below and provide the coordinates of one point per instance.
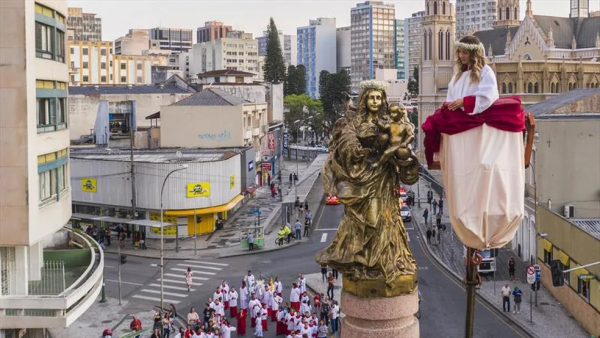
(194, 198)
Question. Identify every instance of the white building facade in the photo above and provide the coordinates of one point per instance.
(343, 49)
(34, 167)
(476, 15)
(226, 53)
(317, 51)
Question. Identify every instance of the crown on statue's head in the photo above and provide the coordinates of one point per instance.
(373, 84)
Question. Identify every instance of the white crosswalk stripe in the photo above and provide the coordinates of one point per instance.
(174, 284)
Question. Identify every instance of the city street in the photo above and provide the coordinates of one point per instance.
(443, 308)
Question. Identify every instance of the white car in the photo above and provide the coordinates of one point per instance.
(406, 213)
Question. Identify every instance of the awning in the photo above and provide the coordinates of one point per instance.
(563, 257)
(210, 210)
(544, 243)
(586, 277)
(108, 219)
(149, 223)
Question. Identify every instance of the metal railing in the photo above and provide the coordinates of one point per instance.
(49, 281)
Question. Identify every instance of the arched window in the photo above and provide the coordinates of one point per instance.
(444, 8)
(435, 8)
(425, 45)
(427, 5)
(507, 13)
(552, 87)
(448, 45)
(530, 87)
(440, 45)
(430, 41)
(536, 88)
(510, 87)
(500, 13)
(516, 14)
(558, 87)
(504, 88)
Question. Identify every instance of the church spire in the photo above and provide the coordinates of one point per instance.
(529, 10)
(508, 14)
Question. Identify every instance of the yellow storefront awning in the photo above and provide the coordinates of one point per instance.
(546, 245)
(210, 210)
(563, 258)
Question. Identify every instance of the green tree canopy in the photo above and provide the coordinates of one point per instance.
(413, 83)
(295, 83)
(301, 107)
(333, 89)
(274, 68)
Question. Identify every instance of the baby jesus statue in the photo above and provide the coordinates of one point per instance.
(402, 134)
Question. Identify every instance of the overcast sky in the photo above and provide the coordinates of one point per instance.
(118, 16)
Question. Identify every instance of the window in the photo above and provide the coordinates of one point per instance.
(110, 64)
(102, 65)
(86, 78)
(72, 50)
(44, 186)
(510, 88)
(46, 112)
(583, 285)
(123, 79)
(536, 88)
(139, 66)
(103, 51)
(139, 79)
(123, 65)
(103, 78)
(85, 51)
(530, 87)
(504, 88)
(60, 46)
(552, 87)
(85, 65)
(435, 8)
(44, 41)
(440, 45)
(448, 45)
(547, 256)
(61, 113)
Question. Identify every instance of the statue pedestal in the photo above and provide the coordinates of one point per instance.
(380, 317)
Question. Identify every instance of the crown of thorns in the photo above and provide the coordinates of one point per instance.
(373, 84)
(468, 46)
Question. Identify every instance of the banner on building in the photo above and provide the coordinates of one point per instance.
(231, 181)
(285, 140)
(199, 189)
(169, 230)
(89, 185)
(271, 141)
(266, 166)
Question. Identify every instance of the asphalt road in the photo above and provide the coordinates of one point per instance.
(443, 308)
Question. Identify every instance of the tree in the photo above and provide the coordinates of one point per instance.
(413, 83)
(295, 83)
(290, 81)
(300, 79)
(274, 68)
(333, 94)
(301, 108)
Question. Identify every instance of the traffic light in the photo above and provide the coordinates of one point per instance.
(123, 259)
(556, 267)
(535, 286)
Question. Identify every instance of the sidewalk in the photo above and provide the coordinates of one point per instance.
(226, 242)
(550, 318)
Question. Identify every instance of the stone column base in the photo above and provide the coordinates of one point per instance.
(390, 317)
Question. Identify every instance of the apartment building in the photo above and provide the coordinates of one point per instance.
(399, 48)
(212, 30)
(412, 47)
(288, 43)
(85, 26)
(477, 15)
(226, 53)
(172, 39)
(37, 290)
(343, 42)
(317, 51)
(373, 25)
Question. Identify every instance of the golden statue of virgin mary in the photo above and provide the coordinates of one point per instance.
(370, 247)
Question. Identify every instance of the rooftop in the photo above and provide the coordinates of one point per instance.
(127, 89)
(550, 105)
(224, 72)
(589, 225)
(211, 97)
(163, 155)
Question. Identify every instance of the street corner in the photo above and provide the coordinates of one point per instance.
(246, 252)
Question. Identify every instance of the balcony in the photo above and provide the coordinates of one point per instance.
(59, 292)
(248, 134)
(255, 131)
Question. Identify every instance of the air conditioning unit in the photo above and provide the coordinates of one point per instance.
(569, 211)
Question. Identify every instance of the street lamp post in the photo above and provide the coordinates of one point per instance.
(162, 235)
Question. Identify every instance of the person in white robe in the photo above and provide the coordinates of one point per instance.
(233, 302)
(217, 294)
(290, 320)
(275, 305)
(219, 310)
(250, 280)
(302, 283)
(225, 294)
(258, 330)
(278, 286)
(244, 296)
(304, 306)
(254, 306)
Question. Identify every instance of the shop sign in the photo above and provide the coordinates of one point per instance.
(89, 185)
(271, 141)
(231, 181)
(250, 165)
(198, 189)
(170, 230)
(266, 166)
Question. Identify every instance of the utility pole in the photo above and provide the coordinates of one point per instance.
(132, 173)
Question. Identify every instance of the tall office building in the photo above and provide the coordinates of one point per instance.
(212, 30)
(372, 24)
(85, 26)
(412, 49)
(317, 51)
(37, 289)
(289, 47)
(233, 53)
(476, 15)
(399, 48)
(343, 45)
(173, 39)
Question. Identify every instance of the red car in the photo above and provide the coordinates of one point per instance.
(333, 200)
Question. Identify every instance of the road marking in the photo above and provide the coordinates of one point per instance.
(179, 282)
(200, 266)
(156, 299)
(407, 237)
(180, 276)
(165, 293)
(195, 271)
(413, 228)
(172, 287)
(327, 229)
(209, 263)
(116, 281)
(324, 238)
(109, 267)
(154, 265)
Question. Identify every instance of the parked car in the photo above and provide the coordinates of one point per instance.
(406, 213)
(332, 200)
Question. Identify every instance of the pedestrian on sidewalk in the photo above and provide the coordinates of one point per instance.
(288, 232)
(426, 215)
(435, 205)
(335, 273)
(269, 179)
(330, 285)
(107, 234)
(428, 234)
(250, 241)
(298, 228)
(291, 177)
(273, 192)
(438, 220)
(335, 313)
(188, 278)
(429, 196)
(511, 268)
(441, 205)
(433, 236)
(135, 325)
(505, 293)
(279, 192)
(323, 272)
(295, 177)
(307, 223)
(517, 298)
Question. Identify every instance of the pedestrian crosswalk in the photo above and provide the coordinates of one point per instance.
(173, 281)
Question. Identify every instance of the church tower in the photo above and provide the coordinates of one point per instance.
(508, 14)
(437, 58)
(580, 9)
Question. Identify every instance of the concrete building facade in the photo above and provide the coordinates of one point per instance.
(399, 47)
(289, 47)
(212, 30)
(317, 51)
(176, 40)
(85, 26)
(226, 53)
(35, 170)
(343, 44)
(373, 26)
(479, 15)
(414, 35)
